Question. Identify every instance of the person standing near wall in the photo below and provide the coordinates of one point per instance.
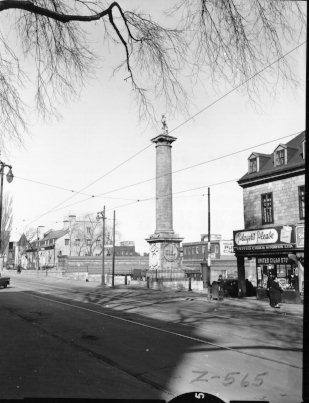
(274, 291)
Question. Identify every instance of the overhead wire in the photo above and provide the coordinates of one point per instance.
(238, 86)
(174, 193)
(171, 131)
(66, 189)
(134, 201)
(85, 187)
(199, 164)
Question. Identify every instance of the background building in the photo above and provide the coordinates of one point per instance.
(274, 214)
(222, 257)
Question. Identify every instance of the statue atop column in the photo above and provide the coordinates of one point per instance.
(164, 125)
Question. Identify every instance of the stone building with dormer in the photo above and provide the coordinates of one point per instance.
(274, 215)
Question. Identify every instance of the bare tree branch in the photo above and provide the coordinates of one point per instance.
(229, 40)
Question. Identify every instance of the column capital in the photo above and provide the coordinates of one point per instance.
(163, 139)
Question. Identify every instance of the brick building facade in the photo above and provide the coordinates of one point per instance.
(274, 215)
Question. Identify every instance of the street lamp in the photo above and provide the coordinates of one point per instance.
(9, 178)
(37, 246)
(101, 216)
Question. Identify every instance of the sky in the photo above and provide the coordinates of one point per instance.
(99, 140)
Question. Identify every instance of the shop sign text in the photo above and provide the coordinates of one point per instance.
(276, 238)
(272, 260)
(264, 247)
(256, 237)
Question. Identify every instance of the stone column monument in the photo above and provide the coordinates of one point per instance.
(164, 256)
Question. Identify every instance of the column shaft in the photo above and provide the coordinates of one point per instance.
(164, 198)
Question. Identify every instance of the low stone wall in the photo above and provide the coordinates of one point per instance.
(162, 283)
(39, 273)
(181, 285)
(93, 264)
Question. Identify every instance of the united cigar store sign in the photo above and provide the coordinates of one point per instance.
(263, 239)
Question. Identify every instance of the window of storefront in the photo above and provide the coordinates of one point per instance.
(267, 208)
(285, 272)
(301, 196)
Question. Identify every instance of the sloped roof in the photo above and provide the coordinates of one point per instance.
(23, 241)
(54, 234)
(294, 162)
(259, 154)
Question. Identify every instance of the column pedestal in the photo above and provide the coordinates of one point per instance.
(164, 256)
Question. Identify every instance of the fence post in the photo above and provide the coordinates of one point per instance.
(190, 289)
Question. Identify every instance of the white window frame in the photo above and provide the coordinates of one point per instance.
(279, 150)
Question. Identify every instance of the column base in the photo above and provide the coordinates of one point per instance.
(164, 252)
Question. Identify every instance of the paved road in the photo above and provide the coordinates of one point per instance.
(70, 339)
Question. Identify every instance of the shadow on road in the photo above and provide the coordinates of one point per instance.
(116, 344)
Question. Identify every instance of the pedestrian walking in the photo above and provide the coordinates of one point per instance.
(274, 291)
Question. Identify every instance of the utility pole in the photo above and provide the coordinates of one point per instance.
(101, 214)
(113, 261)
(209, 234)
(205, 264)
(37, 246)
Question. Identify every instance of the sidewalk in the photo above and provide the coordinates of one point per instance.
(247, 302)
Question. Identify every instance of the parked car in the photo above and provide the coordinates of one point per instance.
(230, 287)
(4, 281)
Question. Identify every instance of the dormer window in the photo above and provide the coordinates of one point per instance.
(279, 157)
(252, 165)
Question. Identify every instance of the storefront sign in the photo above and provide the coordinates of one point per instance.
(272, 260)
(264, 239)
(227, 248)
(300, 236)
